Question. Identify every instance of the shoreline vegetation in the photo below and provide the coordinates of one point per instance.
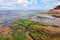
(26, 29)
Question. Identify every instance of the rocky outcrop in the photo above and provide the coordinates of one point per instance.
(51, 30)
(58, 7)
(5, 30)
(55, 10)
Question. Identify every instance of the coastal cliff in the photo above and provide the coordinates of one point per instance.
(55, 12)
(56, 8)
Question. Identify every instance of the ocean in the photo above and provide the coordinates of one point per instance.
(6, 16)
(16, 14)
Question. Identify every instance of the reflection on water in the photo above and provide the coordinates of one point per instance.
(7, 15)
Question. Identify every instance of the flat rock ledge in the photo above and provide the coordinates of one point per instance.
(51, 30)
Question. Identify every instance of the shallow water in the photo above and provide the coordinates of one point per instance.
(7, 15)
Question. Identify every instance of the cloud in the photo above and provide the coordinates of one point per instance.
(49, 4)
(18, 2)
(26, 2)
(10, 4)
(47, 0)
(1, 1)
(29, 4)
(6, 3)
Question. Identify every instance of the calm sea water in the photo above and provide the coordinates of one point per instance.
(9, 14)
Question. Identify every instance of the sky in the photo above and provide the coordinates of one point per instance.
(28, 4)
